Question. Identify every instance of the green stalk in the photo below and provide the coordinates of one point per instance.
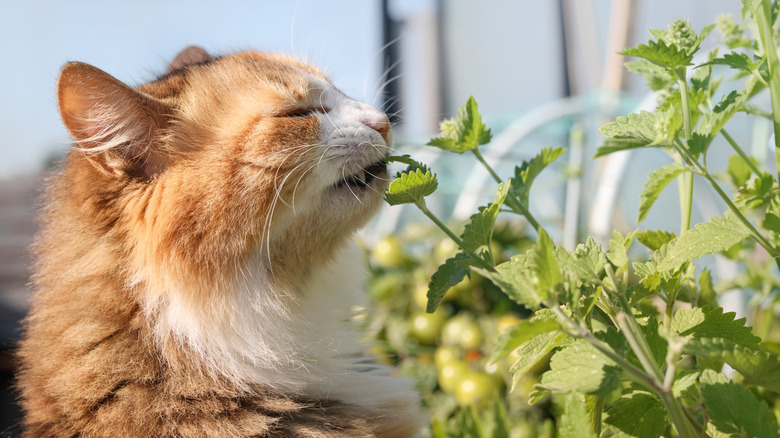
(513, 202)
(421, 205)
(686, 179)
(767, 41)
(757, 236)
(740, 152)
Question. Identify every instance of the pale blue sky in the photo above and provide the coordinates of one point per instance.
(134, 40)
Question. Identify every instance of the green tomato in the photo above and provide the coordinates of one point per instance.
(506, 321)
(427, 326)
(388, 253)
(445, 249)
(451, 374)
(421, 295)
(523, 430)
(476, 389)
(445, 354)
(463, 332)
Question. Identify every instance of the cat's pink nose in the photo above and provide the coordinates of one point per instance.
(380, 124)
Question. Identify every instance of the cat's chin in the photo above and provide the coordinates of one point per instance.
(372, 178)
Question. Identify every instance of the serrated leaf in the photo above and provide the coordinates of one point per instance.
(574, 422)
(513, 278)
(586, 262)
(637, 415)
(712, 122)
(479, 231)
(446, 276)
(464, 132)
(618, 248)
(704, 322)
(580, 367)
(526, 173)
(658, 180)
(662, 54)
(757, 367)
(411, 187)
(521, 333)
(735, 60)
(707, 238)
(638, 126)
(732, 408)
(535, 350)
(654, 239)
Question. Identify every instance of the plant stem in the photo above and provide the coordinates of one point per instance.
(686, 179)
(513, 202)
(766, 39)
(740, 152)
(421, 205)
(757, 236)
(574, 329)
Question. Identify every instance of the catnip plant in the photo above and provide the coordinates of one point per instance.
(627, 358)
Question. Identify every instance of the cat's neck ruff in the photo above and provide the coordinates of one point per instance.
(299, 340)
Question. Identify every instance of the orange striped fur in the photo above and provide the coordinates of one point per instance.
(194, 273)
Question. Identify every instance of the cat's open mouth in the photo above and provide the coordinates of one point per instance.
(365, 176)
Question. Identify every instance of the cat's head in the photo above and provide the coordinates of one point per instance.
(224, 156)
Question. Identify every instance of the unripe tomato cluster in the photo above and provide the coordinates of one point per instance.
(447, 351)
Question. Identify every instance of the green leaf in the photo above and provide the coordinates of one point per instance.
(657, 78)
(638, 126)
(574, 422)
(585, 263)
(757, 192)
(521, 333)
(654, 239)
(735, 60)
(513, 278)
(448, 275)
(580, 367)
(548, 275)
(707, 294)
(637, 414)
(703, 322)
(618, 248)
(526, 173)
(758, 368)
(464, 132)
(659, 179)
(612, 145)
(707, 238)
(738, 170)
(411, 187)
(749, 7)
(535, 350)
(409, 161)
(662, 54)
(734, 409)
(712, 122)
(479, 231)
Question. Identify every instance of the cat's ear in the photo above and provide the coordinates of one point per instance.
(114, 124)
(189, 56)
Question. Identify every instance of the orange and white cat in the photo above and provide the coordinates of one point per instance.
(194, 275)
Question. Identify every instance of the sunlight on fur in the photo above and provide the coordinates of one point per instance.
(194, 271)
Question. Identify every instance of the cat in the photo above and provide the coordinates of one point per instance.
(195, 273)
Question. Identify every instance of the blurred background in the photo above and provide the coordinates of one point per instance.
(537, 69)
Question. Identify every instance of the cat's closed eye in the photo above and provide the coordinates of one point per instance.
(305, 111)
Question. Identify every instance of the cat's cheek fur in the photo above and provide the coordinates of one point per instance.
(195, 274)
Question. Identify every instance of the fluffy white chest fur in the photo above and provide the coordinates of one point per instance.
(302, 342)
